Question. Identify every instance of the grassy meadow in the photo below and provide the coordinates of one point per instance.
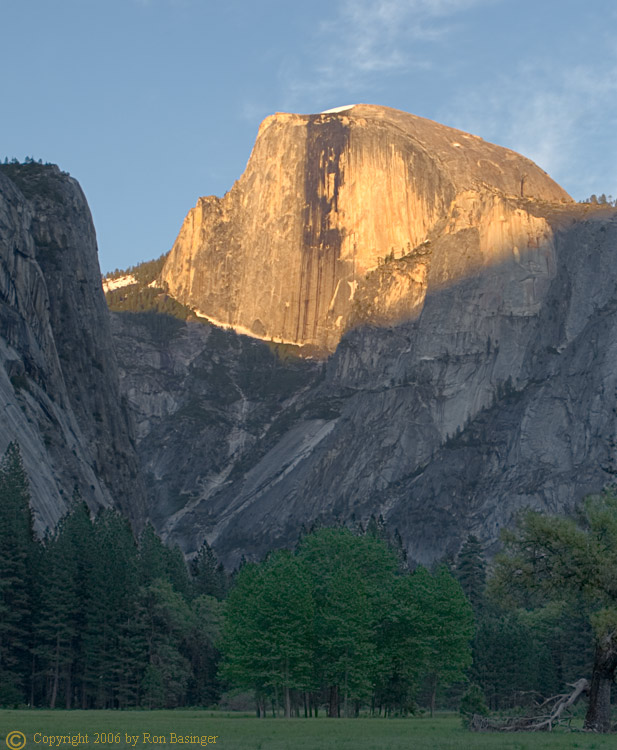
(244, 732)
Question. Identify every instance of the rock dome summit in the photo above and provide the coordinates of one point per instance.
(350, 216)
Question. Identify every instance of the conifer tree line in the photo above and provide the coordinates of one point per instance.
(90, 617)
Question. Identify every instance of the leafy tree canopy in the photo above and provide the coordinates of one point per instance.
(562, 559)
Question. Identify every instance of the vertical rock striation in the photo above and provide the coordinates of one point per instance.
(501, 395)
(470, 307)
(59, 385)
(290, 253)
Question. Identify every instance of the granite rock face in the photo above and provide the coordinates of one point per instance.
(203, 400)
(290, 253)
(59, 385)
(501, 395)
(472, 310)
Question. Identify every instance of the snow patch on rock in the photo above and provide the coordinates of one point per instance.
(110, 284)
(337, 109)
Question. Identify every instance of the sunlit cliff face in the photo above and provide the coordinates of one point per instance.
(351, 217)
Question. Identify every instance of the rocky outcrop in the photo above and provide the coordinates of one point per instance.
(501, 395)
(58, 374)
(292, 253)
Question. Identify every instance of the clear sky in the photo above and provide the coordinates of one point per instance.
(153, 103)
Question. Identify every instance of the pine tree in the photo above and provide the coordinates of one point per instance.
(470, 571)
(111, 612)
(200, 648)
(209, 577)
(157, 561)
(17, 555)
(505, 661)
(168, 621)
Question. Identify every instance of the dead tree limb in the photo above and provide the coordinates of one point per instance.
(549, 713)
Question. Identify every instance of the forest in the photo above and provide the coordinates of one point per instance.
(92, 617)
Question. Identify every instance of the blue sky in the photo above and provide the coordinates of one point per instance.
(153, 103)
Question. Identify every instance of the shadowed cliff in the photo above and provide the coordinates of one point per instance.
(446, 425)
(58, 374)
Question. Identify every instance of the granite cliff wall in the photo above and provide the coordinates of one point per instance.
(500, 395)
(58, 374)
(326, 199)
(471, 307)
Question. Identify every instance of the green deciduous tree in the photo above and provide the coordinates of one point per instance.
(352, 580)
(401, 647)
(268, 631)
(557, 559)
(446, 628)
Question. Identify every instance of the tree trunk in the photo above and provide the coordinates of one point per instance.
(32, 678)
(69, 687)
(598, 718)
(287, 703)
(433, 693)
(54, 690)
(333, 707)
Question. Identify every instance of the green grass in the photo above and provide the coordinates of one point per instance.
(243, 732)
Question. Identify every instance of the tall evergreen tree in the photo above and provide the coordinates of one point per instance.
(168, 622)
(209, 577)
(64, 584)
(506, 661)
(17, 556)
(200, 648)
(111, 612)
(157, 561)
(470, 571)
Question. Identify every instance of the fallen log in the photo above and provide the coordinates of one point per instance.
(550, 713)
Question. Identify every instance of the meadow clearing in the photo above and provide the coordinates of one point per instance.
(144, 730)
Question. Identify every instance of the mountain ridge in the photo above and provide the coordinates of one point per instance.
(477, 375)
